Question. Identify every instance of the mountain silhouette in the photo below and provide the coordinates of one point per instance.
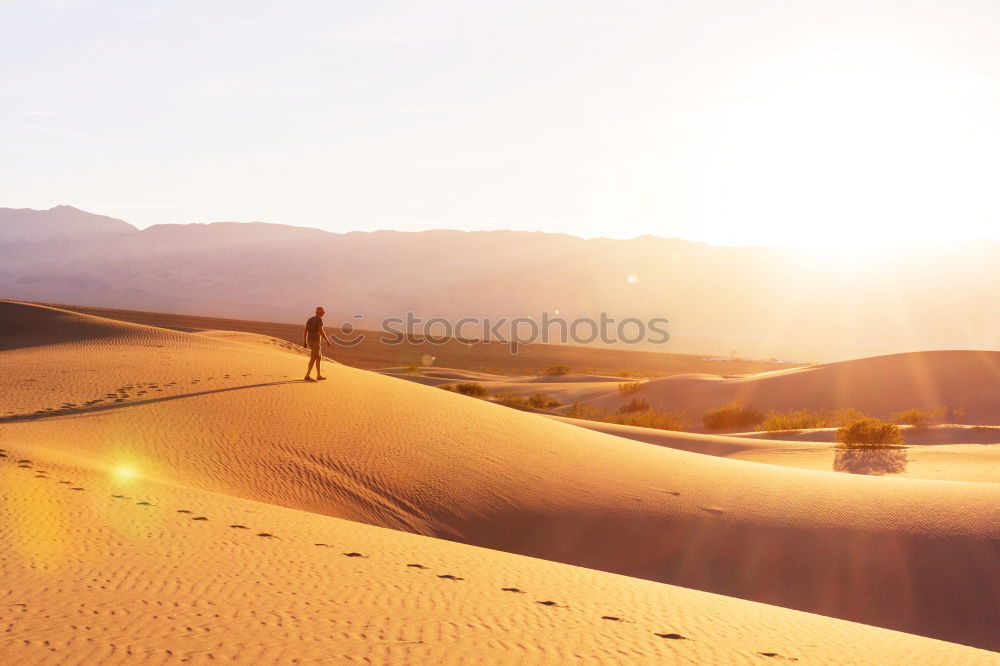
(757, 301)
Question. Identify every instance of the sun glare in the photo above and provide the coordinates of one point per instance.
(124, 473)
(846, 164)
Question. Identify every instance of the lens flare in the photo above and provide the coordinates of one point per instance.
(124, 473)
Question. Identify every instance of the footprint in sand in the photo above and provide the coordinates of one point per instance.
(550, 604)
(3, 455)
(775, 655)
(199, 518)
(352, 554)
(512, 589)
(416, 566)
(613, 618)
(144, 503)
(184, 511)
(24, 461)
(676, 637)
(240, 527)
(267, 535)
(116, 496)
(450, 577)
(77, 488)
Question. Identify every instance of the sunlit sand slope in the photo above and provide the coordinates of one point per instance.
(100, 569)
(969, 380)
(946, 453)
(223, 416)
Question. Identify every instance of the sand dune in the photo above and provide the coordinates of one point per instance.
(566, 389)
(102, 569)
(225, 417)
(942, 453)
(879, 386)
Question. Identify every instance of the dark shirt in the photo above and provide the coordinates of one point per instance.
(312, 328)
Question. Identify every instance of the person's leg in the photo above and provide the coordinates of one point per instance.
(319, 374)
(313, 359)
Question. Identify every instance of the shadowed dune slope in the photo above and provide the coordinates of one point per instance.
(918, 556)
(880, 385)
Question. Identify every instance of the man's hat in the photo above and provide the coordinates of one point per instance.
(319, 309)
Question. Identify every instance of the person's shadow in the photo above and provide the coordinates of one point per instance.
(870, 461)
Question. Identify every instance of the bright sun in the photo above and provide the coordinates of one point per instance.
(845, 165)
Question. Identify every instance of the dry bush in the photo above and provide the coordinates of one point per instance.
(629, 388)
(447, 387)
(634, 405)
(919, 418)
(471, 389)
(731, 417)
(646, 418)
(557, 370)
(846, 416)
(543, 401)
(796, 419)
(510, 399)
(538, 401)
(651, 418)
(869, 432)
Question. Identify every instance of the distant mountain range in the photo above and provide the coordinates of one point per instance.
(757, 301)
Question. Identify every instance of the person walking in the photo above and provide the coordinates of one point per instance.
(311, 338)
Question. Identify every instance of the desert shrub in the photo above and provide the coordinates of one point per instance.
(510, 399)
(629, 388)
(847, 416)
(919, 418)
(472, 389)
(587, 412)
(651, 418)
(646, 418)
(447, 387)
(543, 401)
(796, 419)
(557, 370)
(869, 432)
(634, 405)
(625, 374)
(730, 417)
(412, 369)
(957, 414)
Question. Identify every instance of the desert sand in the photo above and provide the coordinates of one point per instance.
(220, 426)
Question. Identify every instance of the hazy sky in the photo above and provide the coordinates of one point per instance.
(726, 121)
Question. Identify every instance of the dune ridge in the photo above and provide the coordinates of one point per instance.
(228, 418)
(879, 385)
